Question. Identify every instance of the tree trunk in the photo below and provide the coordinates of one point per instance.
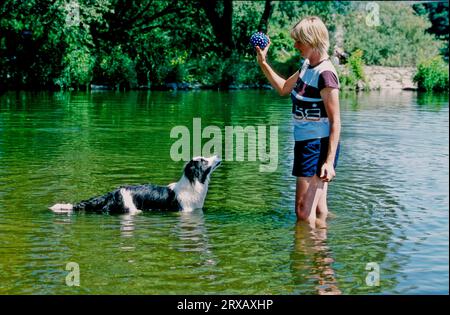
(264, 22)
(221, 22)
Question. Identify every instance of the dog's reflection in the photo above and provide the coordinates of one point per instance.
(191, 232)
(193, 236)
(311, 259)
(127, 225)
(127, 229)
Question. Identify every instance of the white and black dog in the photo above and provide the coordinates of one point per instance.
(187, 194)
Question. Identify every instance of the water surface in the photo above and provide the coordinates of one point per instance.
(389, 200)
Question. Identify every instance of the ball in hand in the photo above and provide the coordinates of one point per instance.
(259, 39)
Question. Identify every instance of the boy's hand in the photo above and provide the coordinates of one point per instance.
(327, 172)
(262, 53)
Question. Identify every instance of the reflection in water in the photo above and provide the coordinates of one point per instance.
(192, 235)
(127, 227)
(432, 101)
(62, 220)
(311, 259)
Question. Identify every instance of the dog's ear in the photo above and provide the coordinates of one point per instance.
(192, 170)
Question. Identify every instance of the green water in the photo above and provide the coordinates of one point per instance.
(389, 200)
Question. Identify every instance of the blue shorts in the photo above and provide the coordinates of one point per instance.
(309, 156)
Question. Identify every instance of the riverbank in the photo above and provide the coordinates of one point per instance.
(377, 78)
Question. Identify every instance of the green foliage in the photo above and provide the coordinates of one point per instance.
(432, 75)
(78, 68)
(127, 44)
(118, 68)
(246, 15)
(353, 72)
(399, 40)
(437, 13)
(355, 63)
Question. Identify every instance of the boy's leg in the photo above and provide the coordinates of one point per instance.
(322, 208)
(308, 192)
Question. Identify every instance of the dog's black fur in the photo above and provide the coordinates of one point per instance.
(145, 198)
(174, 197)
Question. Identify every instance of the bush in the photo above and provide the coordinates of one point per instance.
(353, 71)
(432, 75)
(78, 69)
(356, 64)
(118, 68)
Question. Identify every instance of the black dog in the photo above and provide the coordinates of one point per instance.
(187, 194)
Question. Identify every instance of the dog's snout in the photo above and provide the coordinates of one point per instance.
(216, 160)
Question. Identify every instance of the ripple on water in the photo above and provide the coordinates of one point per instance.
(389, 200)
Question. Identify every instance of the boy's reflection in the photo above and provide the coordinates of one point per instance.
(311, 259)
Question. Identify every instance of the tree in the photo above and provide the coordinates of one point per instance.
(399, 40)
(127, 44)
(220, 16)
(437, 12)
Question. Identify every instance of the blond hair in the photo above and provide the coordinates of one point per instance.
(312, 31)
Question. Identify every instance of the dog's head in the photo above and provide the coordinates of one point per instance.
(200, 168)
